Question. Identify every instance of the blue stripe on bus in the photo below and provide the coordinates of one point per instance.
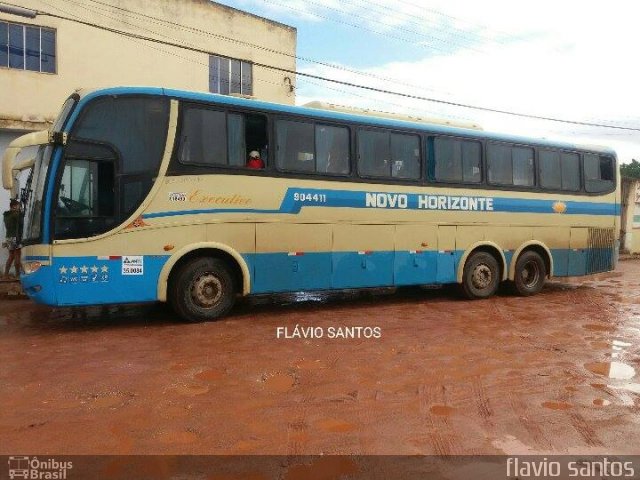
(36, 258)
(272, 273)
(62, 286)
(358, 199)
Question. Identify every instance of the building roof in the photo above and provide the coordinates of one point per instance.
(243, 12)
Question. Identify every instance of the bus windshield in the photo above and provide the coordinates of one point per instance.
(33, 195)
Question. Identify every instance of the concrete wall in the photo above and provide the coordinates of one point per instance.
(88, 57)
(630, 235)
(635, 218)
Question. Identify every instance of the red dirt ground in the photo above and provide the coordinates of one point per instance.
(554, 373)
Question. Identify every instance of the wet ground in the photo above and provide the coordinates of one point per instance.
(558, 372)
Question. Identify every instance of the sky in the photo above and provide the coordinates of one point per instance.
(561, 59)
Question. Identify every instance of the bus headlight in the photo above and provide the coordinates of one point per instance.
(31, 267)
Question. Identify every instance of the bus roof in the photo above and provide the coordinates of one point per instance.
(335, 115)
(392, 115)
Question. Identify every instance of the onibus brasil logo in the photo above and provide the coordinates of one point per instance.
(33, 468)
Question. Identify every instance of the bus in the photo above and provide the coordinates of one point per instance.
(151, 194)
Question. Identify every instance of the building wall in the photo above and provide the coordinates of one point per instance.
(630, 235)
(88, 57)
(635, 217)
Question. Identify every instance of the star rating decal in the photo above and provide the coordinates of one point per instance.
(74, 274)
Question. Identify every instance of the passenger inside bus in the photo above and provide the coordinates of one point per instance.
(254, 161)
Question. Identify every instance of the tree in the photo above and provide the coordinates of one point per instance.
(631, 170)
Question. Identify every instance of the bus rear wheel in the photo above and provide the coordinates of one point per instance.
(481, 276)
(530, 274)
(203, 289)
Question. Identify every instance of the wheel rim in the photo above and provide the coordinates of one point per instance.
(530, 274)
(482, 276)
(206, 290)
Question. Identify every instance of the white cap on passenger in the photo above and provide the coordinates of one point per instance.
(254, 154)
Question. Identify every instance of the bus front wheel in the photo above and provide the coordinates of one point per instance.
(481, 276)
(203, 289)
(530, 274)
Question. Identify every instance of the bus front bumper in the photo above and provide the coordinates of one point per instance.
(38, 285)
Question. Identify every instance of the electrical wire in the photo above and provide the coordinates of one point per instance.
(370, 7)
(334, 66)
(237, 76)
(340, 82)
(405, 39)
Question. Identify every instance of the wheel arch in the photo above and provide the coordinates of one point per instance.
(487, 246)
(212, 249)
(537, 247)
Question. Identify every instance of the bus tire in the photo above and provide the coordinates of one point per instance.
(203, 289)
(481, 276)
(530, 274)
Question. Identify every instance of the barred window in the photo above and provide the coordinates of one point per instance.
(227, 75)
(27, 47)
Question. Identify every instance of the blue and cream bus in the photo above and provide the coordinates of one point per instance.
(149, 194)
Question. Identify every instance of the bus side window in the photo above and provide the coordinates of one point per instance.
(559, 170)
(570, 166)
(202, 139)
(500, 168)
(295, 146)
(332, 150)
(550, 172)
(247, 133)
(374, 154)
(457, 160)
(598, 173)
(405, 155)
(510, 165)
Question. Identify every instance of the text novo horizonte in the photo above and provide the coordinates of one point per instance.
(428, 202)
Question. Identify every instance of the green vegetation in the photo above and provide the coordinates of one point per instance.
(631, 170)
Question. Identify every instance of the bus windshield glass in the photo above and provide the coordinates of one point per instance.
(33, 195)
